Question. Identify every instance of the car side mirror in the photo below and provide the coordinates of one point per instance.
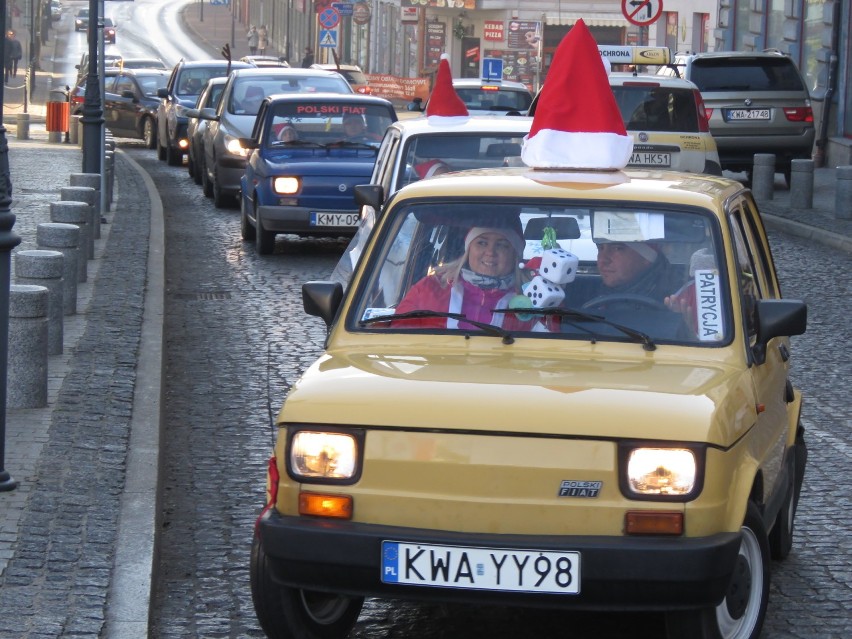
(249, 143)
(370, 195)
(191, 113)
(162, 92)
(128, 94)
(322, 299)
(416, 104)
(207, 113)
(778, 318)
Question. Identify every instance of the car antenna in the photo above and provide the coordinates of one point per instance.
(269, 392)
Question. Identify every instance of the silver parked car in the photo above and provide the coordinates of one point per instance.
(195, 127)
(756, 102)
(224, 156)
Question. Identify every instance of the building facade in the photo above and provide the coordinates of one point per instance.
(401, 41)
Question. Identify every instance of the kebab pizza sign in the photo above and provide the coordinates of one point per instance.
(493, 31)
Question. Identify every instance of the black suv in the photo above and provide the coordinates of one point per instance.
(756, 102)
(180, 94)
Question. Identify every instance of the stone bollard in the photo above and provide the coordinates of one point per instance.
(27, 368)
(44, 268)
(90, 196)
(763, 176)
(802, 184)
(23, 126)
(79, 214)
(109, 178)
(74, 129)
(93, 180)
(843, 193)
(64, 238)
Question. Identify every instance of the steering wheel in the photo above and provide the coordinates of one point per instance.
(625, 300)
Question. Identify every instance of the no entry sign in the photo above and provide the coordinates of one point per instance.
(642, 12)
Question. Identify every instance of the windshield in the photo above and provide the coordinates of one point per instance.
(428, 155)
(192, 80)
(323, 123)
(248, 92)
(495, 99)
(549, 270)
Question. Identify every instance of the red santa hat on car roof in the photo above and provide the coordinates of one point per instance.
(444, 102)
(577, 124)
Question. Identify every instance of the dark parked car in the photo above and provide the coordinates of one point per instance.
(81, 20)
(109, 31)
(195, 127)
(184, 85)
(130, 108)
(305, 161)
(77, 95)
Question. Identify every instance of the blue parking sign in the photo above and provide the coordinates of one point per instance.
(492, 69)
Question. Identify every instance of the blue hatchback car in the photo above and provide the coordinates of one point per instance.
(308, 151)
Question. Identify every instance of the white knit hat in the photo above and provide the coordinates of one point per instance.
(577, 124)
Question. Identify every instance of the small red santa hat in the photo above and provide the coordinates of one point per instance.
(577, 124)
(430, 167)
(444, 102)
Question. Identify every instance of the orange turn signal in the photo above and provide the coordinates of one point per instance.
(649, 522)
(318, 505)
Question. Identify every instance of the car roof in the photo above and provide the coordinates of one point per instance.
(486, 124)
(334, 67)
(250, 71)
(733, 54)
(619, 78)
(671, 187)
(479, 82)
(201, 64)
(329, 97)
(147, 63)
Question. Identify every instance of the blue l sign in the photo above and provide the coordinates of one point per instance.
(492, 69)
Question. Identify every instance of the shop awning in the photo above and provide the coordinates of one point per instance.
(591, 19)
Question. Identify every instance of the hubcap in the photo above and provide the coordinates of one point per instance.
(738, 591)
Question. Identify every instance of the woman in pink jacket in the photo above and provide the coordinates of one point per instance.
(486, 277)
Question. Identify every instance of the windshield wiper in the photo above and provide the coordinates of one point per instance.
(421, 314)
(573, 314)
(299, 143)
(351, 145)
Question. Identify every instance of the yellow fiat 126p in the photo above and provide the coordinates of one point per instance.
(542, 388)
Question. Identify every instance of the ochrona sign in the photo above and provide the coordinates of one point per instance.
(635, 55)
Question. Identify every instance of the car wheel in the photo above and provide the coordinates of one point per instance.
(197, 168)
(290, 613)
(246, 229)
(264, 241)
(206, 184)
(741, 613)
(173, 156)
(221, 199)
(149, 133)
(781, 535)
(190, 163)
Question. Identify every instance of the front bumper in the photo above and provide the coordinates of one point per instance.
(618, 573)
(297, 220)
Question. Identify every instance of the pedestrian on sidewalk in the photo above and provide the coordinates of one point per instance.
(308, 60)
(262, 39)
(13, 53)
(252, 38)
